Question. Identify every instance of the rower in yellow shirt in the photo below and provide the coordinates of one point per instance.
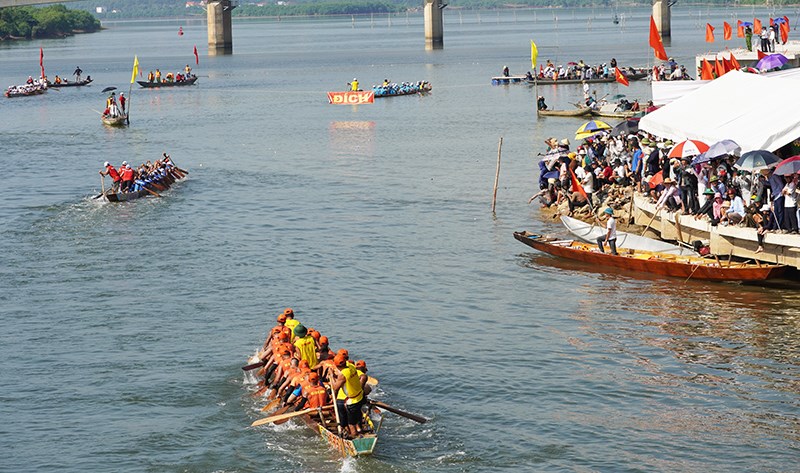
(349, 396)
(305, 345)
(354, 85)
(291, 323)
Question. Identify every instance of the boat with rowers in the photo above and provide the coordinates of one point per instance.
(405, 88)
(118, 120)
(189, 80)
(65, 83)
(159, 180)
(25, 90)
(663, 264)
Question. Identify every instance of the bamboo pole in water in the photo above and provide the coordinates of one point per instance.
(497, 174)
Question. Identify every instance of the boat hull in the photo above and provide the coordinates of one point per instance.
(589, 233)
(604, 80)
(653, 263)
(578, 112)
(70, 84)
(120, 120)
(161, 185)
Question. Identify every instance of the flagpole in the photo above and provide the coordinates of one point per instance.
(130, 88)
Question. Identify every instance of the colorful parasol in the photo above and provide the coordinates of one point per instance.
(687, 148)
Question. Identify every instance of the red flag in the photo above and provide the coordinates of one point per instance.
(657, 179)
(771, 22)
(706, 71)
(756, 26)
(739, 29)
(784, 29)
(620, 77)
(196, 57)
(718, 68)
(655, 41)
(786, 19)
(726, 64)
(726, 31)
(576, 186)
(709, 33)
(735, 63)
(41, 60)
(761, 54)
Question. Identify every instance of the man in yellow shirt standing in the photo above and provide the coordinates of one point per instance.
(349, 396)
(354, 85)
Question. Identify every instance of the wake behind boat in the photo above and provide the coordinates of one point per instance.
(687, 267)
(590, 233)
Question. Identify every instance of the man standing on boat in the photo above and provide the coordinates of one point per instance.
(122, 100)
(349, 395)
(77, 73)
(611, 233)
(115, 177)
(353, 85)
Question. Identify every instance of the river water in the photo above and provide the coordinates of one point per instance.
(125, 325)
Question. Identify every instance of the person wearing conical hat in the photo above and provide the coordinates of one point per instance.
(306, 347)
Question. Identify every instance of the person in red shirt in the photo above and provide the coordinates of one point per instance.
(115, 177)
(127, 177)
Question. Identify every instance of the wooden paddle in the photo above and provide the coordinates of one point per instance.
(260, 391)
(173, 163)
(651, 221)
(372, 381)
(290, 415)
(272, 404)
(253, 366)
(152, 192)
(281, 411)
(397, 411)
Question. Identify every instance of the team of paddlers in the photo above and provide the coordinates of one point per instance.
(130, 179)
(156, 77)
(403, 88)
(301, 371)
(30, 87)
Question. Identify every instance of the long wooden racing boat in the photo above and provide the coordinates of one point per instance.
(152, 85)
(578, 112)
(160, 185)
(25, 93)
(687, 267)
(381, 92)
(602, 80)
(119, 120)
(78, 83)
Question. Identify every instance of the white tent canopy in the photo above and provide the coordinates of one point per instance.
(667, 91)
(754, 111)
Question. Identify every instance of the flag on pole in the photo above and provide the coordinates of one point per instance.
(761, 54)
(709, 33)
(706, 71)
(534, 54)
(739, 29)
(576, 186)
(135, 69)
(726, 65)
(735, 63)
(620, 77)
(727, 32)
(196, 57)
(756, 26)
(784, 30)
(719, 68)
(655, 41)
(41, 60)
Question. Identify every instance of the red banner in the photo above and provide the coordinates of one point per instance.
(351, 98)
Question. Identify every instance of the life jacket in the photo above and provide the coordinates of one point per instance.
(113, 173)
(127, 174)
(307, 349)
(291, 324)
(316, 396)
(351, 390)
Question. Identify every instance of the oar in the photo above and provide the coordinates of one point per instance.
(173, 163)
(260, 391)
(397, 411)
(271, 405)
(651, 221)
(253, 366)
(267, 420)
(280, 411)
(372, 381)
(102, 186)
(152, 192)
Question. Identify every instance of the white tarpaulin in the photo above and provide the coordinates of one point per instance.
(667, 91)
(754, 111)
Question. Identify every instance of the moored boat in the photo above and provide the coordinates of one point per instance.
(601, 80)
(508, 79)
(615, 113)
(152, 85)
(687, 267)
(578, 112)
(589, 233)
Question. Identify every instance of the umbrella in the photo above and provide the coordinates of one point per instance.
(722, 148)
(700, 159)
(593, 126)
(617, 97)
(773, 61)
(779, 20)
(788, 166)
(688, 148)
(108, 89)
(626, 127)
(572, 63)
(757, 160)
(747, 23)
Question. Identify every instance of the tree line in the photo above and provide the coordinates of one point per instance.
(44, 22)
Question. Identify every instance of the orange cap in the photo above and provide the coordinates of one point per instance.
(313, 377)
(283, 336)
(339, 361)
(314, 334)
(288, 312)
(282, 318)
(323, 340)
(284, 350)
(362, 365)
(343, 352)
(303, 364)
(276, 330)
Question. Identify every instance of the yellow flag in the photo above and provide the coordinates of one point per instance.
(135, 68)
(534, 54)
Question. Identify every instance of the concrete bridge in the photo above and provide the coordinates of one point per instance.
(220, 30)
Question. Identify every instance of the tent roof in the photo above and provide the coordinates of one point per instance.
(747, 108)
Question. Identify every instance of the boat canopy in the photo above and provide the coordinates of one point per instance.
(730, 108)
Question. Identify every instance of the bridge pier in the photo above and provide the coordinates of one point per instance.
(434, 30)
(220, 31)
(662, 17)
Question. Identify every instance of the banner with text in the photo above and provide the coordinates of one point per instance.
(351, 98)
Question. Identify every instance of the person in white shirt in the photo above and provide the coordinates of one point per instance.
(790, 204)
(611, 233)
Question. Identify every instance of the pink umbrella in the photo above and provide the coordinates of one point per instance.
(788, 166)
(687, 148)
